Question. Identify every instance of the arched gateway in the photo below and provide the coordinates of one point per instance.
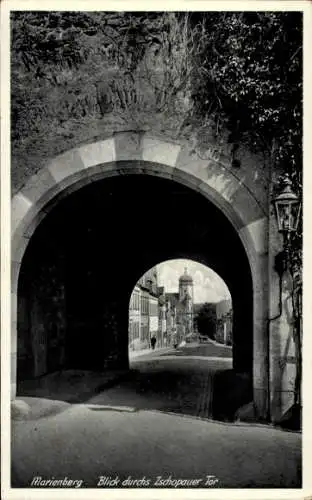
(140, 154)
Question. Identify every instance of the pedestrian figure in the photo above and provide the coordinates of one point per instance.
(153, 342)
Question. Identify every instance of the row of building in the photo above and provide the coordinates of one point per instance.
(224, 323)
(169, 317)
(154, 313)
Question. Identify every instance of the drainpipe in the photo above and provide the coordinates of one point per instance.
(270, 320)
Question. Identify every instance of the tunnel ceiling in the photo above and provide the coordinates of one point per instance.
(133, 222)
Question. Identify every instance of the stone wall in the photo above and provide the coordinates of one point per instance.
(41, 311)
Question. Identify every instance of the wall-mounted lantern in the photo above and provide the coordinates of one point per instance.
(287, 208)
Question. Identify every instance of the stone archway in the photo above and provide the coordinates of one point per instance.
(139, 154)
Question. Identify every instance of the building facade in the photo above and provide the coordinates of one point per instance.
(224, 316)
(186, 304)
(154, 313)
(171, 318)
(179, 310)
(153, 316)
(135, 317)
(162, 319)
(144, 312)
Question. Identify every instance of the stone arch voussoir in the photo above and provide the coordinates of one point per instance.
(132, 152)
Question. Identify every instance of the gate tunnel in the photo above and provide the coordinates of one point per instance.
(84, 258)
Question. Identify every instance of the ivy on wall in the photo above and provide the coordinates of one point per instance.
(241, 70)
(235, 77)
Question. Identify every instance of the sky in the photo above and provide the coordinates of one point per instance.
(208, 286)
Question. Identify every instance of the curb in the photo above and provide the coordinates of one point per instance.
(20, 410)
(217, 344)
(150, 351)
(235, 423)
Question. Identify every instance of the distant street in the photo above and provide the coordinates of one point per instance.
(206, 349)
(156, 424)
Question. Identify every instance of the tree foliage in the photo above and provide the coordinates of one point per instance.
(206, 321)
(248, 75)
(247, 79)
(243, 69)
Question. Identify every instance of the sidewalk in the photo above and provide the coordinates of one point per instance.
(136, 354)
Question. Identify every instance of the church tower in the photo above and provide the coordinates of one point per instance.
(186, 299)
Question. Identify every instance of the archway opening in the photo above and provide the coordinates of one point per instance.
(179, 302)
(79, 269)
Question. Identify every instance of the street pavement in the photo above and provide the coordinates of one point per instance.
(179, 380)
(156, 424)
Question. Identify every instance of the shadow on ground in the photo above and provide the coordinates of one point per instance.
(71, 386)
(216, 395)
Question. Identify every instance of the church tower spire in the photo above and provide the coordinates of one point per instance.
(186, 299)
